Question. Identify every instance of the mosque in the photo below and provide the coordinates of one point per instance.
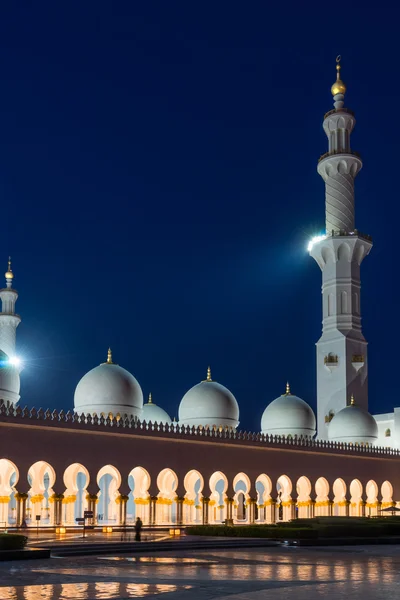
(121, 458)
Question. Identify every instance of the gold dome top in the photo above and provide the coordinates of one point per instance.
(9, 274)
(338, 87)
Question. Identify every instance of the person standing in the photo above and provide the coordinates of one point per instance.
(138, 528)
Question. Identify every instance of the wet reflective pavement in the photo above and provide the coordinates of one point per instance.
(367, 572)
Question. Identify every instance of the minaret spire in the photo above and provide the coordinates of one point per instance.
(109, 357)
(9, 322)
(342, 368)
(208, 374)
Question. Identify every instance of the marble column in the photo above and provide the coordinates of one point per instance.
(206, 502)
(179, 510)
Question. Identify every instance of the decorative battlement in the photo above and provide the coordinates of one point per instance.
(130, 425)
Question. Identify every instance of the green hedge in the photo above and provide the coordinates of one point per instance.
(11, 541)
(253, 531)
(305, 529)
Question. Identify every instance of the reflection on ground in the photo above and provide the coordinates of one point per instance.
(86, 591)
(161, 560)
(370, 573)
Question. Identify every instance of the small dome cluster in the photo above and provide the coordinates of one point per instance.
(111, 390)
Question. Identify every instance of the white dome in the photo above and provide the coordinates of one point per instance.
(209, 404)
(9, 380)
(288, 415)
(353, 425)
(155, 414)
(109, 388)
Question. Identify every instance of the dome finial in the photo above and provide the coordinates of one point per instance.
(288, 392)
(352, 401)
(109, 357)
(9, 275)
(208, 374)
(150, 399)
(338, 87)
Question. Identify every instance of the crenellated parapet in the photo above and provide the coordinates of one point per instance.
(131, 426)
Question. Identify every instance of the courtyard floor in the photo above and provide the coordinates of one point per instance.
(367, 572)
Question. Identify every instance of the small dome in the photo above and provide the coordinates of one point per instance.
(288, 415)
(107, 389)
(9, 380)
(353, 425)
(155, 414)
(209, 404)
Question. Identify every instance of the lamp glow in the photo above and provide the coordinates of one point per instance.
(315, 240)
(15, 361)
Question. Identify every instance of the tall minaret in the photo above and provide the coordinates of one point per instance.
(9, 321)
(342, 365)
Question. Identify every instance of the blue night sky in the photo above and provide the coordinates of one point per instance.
(158, 187)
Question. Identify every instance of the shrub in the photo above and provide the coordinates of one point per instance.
(253, 531)
(11, 541)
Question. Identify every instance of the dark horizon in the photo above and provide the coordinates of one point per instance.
(159, 187)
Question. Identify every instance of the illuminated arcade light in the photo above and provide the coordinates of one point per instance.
(315, 240)
(15, 361)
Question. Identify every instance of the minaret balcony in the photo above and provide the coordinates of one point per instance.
(335, 153)
(357, 361)
(331, 361)
(335, 111)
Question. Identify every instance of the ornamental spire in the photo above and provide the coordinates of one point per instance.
(9, 275)
(352, 401)
(338, 89)
(288, 392)
(150, 399)
(208, 374)
(109, 357)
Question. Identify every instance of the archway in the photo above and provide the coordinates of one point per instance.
(138, 504)
(284, 506)
(109, 481)
(356, 490)
(322, 502)
(41, 478)
(218, 486)
(167, 483)
(9, 476)
(241, 487)
(76, 479)
(193, 484)
(387, 494)
(340, 503)
(303, 504)
(371, 506)
(264, 500)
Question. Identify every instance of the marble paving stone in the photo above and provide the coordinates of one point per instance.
(368, 573)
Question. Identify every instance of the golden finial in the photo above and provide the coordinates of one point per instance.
(288, 392)
(9, 274)
(150, 399)
(109, 357)
(208, 374)
(352, 401)
(338, 87)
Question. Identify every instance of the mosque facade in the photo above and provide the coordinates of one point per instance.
(121, 457)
